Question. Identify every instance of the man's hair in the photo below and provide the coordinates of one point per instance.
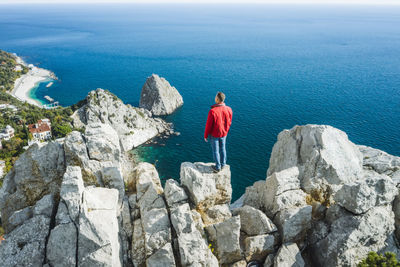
(221, 96)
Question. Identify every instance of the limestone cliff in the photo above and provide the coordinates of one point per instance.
(325, 202)
(134, 126)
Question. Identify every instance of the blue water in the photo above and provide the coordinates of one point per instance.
(278, 65)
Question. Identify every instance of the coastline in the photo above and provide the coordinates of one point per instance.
(29, 81)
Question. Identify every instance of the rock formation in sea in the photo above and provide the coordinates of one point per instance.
(72, 202)
(159, 97)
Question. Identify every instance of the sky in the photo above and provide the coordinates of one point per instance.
(364, 2)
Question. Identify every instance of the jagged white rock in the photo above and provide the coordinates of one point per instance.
(258, 247)
(253, 221)
(162, 257)
(134, 126)
(61, 247)
(157, 230)
(174, 194)
(182, 220)
(138, 247)
(71, 191)
(360, 196)
(98, 240)
(159, 97)
(225, 237)
(288, 255)
(25, 245)
(255, 195)
(351, 237)
(206, 188)
(381, 162)
(102, 142)
(193, 251)
(293, 223)
(102, 222)
(36, 173)
(324, 155)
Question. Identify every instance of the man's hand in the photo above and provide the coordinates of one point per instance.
(205, 139)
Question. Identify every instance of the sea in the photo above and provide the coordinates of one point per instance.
(279, 66)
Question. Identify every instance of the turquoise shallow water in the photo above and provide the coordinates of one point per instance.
(278, 65)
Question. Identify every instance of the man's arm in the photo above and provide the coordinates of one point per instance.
(230, 117)
(209, 125)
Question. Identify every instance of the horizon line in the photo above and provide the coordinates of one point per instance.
(209, 2)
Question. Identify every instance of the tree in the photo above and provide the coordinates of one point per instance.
(375, 260)
(61, 130)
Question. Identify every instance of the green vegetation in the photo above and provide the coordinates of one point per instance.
(61, 122)
(8, 75)
(375, 260)
(28, 114)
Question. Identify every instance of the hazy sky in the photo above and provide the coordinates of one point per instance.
(368, 2)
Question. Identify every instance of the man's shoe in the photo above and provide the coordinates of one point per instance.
(215, 170)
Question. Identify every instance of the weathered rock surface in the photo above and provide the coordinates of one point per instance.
(205, 188)
(269, 260)
(324, 155)
(193, 250)
(282, 191)
(381, 162)
(163, 257)
(174, 194)
(138, 247)
(25, 245)
(73, 204)
(255, 195)
(288, 256)
(98, 242)
(157, 230)
(352, 237)
(258, 247)
(293, 223)
(253, 221)
(159, 97)
(134, 126)
(225, 237)
(374, 190)
(71, 191)
(61, 248)
(102, 142)
(36, 173)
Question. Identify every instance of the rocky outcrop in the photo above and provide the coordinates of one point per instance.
(134, 126)
(327, 195)
(289, 255)
(325, 157)
(159, 97)
(36, 173)
(70, 203)
(208, 192)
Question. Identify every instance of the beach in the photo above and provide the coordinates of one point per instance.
(28, 81)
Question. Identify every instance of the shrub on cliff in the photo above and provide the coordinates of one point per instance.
(374, 259)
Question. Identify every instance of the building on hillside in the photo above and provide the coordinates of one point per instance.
(2, 167)
(18, 68)
(7, 133)
(8, 106)
(41, 130)
(1, 145)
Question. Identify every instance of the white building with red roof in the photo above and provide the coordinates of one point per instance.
(41, 130)
(7, 133)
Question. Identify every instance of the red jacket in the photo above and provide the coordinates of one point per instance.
(219, 120)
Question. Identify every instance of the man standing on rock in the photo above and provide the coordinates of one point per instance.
(217, 127)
